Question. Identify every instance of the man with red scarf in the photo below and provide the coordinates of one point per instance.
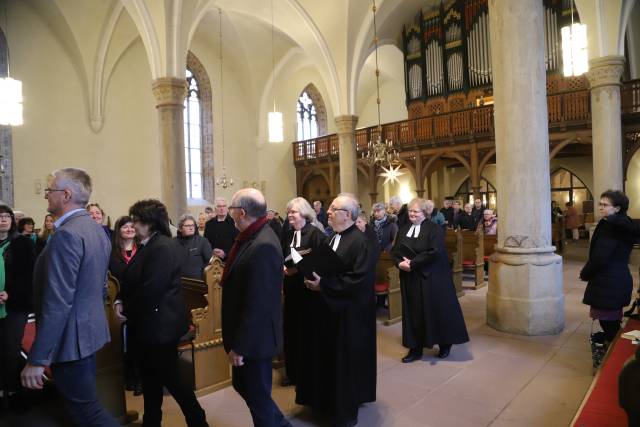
(251, 310)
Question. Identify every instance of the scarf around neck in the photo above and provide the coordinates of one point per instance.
(242, 237)
(3, 246)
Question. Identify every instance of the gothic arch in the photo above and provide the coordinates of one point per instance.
(206, 120)
(321, 109)
(6, 151)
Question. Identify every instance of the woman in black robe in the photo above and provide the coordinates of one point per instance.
(431, 313)
(302, 233)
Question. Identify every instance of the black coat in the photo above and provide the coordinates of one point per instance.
(609, 282)
(197, 253)
(221, 233)
(19, 259)
(466, 221)
(151, 292)
(431, 313)
(388, 233)
(251, 307)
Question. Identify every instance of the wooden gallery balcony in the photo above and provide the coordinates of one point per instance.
(569, 117)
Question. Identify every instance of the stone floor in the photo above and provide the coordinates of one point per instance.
(495, 380)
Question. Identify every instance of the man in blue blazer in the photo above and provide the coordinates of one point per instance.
(251, 310)
(69, 279)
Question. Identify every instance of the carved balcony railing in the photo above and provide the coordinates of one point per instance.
(566, 110)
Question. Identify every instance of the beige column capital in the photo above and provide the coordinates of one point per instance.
(605, 71)
(346, 124)
(169, 91)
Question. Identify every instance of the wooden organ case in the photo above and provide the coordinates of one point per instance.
(447, 54)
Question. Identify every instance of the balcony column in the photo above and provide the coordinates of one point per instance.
(170, 93)
(525, 275)
(346, 126)
(604, 78)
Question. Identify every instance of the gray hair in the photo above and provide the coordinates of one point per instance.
(251, 201)
(363, 216)
(377, 206)
(352, 204)
(306, 211)
(77, 181)
(184, 218)
(420, 204)
(395, 200)
(218, 199)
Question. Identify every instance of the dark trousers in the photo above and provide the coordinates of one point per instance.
(159, 367)
(76, 382)
(610, 328)
(253, 382)
(11, 332)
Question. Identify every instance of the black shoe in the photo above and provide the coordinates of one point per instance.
(444, 351)
(412, 356)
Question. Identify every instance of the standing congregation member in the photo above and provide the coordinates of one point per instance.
(465, 220)
(197, 250)
(17, 257)
(477, 212)
(571, 220)
(399, 210)
(301, 235)
(274, 222)
(434, 215)
(384, 225)
(97, 214)
(220, 230)
(609, 282)
(447, 211)
(69, 278)
(45, 234)
(431, 313)
(321, 214)
(202, 222)
(340, 349)
(489, 223)
(26, 226)
(156, 316)
(251, 309)
(123, 249)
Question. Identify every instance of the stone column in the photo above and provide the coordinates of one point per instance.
(346, 126)
(170, 93)
(525, 281)
(604, 78)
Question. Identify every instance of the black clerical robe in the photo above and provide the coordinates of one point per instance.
(221, 233)
(294, 288)
(431, 313)
(339, 348)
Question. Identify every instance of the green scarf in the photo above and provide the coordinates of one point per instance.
(3, 247)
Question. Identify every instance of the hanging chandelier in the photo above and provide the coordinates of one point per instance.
(10, 89)
(223, 180)
(575, 57)
(379, 152)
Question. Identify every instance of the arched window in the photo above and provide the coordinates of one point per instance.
(198, 133)
(6, 156)
(307, 118)
(311, 114)
(567, 187)
(487, 193)
(192, 133)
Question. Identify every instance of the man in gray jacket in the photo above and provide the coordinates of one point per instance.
(69, 278)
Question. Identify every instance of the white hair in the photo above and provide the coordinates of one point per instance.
(77, 181)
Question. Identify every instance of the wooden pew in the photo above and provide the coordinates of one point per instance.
(109, 363)
(210, 364)
(453, 244)
(387, 273)
(473, 255)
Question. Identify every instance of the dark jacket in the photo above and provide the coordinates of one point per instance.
(197, 253)
(251, 309)
(466, 221)
(609, 282)
(322, 217)
(19, 259)
(388, 232)
(221, 233)
(151, 292)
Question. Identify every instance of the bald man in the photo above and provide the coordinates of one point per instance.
(251, 310)
(338, 371)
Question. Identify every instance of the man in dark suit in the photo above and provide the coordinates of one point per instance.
(251, 310)
(220, 230)
(69, 279)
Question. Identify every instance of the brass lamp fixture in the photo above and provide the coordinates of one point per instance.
(223, 180)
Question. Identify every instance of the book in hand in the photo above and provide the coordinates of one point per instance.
(632, 335)
(405, 251)
(321, 260)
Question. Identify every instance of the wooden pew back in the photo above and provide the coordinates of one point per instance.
(473, 254)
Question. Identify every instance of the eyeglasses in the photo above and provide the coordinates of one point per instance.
(5, 216)
(332, 209)
(236, 207)
(188, 226)
(51, 190)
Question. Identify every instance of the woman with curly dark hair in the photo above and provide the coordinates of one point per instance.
(153, 305)
(17, 258)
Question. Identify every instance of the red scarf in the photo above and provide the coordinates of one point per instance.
(126, 258)
(244, 235)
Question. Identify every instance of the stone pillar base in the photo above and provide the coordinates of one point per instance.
(525, 291)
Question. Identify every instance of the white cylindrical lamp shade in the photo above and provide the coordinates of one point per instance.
(275, 127)
(10, 102)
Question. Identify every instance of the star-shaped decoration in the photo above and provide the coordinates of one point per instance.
(391, 174)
